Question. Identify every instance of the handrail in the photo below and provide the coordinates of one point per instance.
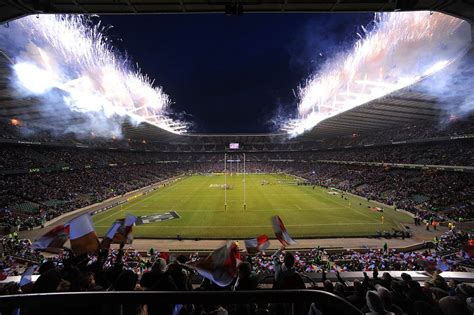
(265, 278)
(304, 277)
(179, 297)
(313, 283)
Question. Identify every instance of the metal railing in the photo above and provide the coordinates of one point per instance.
(299, 300)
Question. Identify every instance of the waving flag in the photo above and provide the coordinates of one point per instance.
(55, 238)
(165, 256)
(280, 232)
(124, 233)
(26, 283)
(470, 248)
(107, 240)
(3, 275)
(221, 265)
(441, 265)
(257, 244)
(82, 234)
(129, 222)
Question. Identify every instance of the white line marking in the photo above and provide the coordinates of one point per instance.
(347, 207)
(244, 226)
(134, 203)
(124, 208)
(238, 209)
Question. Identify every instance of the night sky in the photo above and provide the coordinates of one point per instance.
(233, 74)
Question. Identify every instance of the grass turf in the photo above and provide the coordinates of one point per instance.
(306, 212)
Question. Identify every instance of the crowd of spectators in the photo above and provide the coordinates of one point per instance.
(128, 270)
(22, 157)
(40, 182)
(54, 193)
(449, 253)
(426, 193)
(459, 152)
(60, 192)
(419, 131)
(450, 128)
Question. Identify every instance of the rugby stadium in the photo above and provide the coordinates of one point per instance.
(108, 194)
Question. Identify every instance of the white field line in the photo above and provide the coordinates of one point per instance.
(243, 226)
(231, 210)
(135, 202)
(347, 207)
(123, 208)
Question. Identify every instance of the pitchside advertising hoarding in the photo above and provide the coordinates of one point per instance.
(233, 146)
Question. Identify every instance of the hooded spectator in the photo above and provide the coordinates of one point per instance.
(375, 304)
(386, 297)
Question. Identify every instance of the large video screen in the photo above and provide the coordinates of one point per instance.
(234, 146)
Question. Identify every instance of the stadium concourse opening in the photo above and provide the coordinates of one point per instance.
(359, 201)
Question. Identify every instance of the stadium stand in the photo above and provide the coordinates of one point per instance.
(424, 168)
(45, 180)
(118, 270)
(428, 174)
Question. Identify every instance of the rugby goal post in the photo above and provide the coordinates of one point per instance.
(235, 158)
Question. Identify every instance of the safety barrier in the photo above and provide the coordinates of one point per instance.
(297, 301)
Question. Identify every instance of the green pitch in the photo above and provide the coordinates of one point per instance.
(199, 200)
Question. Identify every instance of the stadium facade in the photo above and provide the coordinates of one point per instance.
(391, 150)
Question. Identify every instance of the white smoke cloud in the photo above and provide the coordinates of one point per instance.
(452, 87)
(69, 65)
(402, 49)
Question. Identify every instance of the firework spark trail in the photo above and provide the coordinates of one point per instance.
(400, 50)
(72, 54)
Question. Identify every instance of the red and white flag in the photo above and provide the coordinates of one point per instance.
(55, 238)
(221, 265)
(257, 244)
(124, 232)
(165, 256)
(281, 233)
(82, 235)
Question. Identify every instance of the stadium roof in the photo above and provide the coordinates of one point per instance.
(397, 109)
(13, 9)
(404, 107)
(400, 108)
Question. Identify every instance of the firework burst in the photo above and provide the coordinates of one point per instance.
(72, 53)
(400, 50)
